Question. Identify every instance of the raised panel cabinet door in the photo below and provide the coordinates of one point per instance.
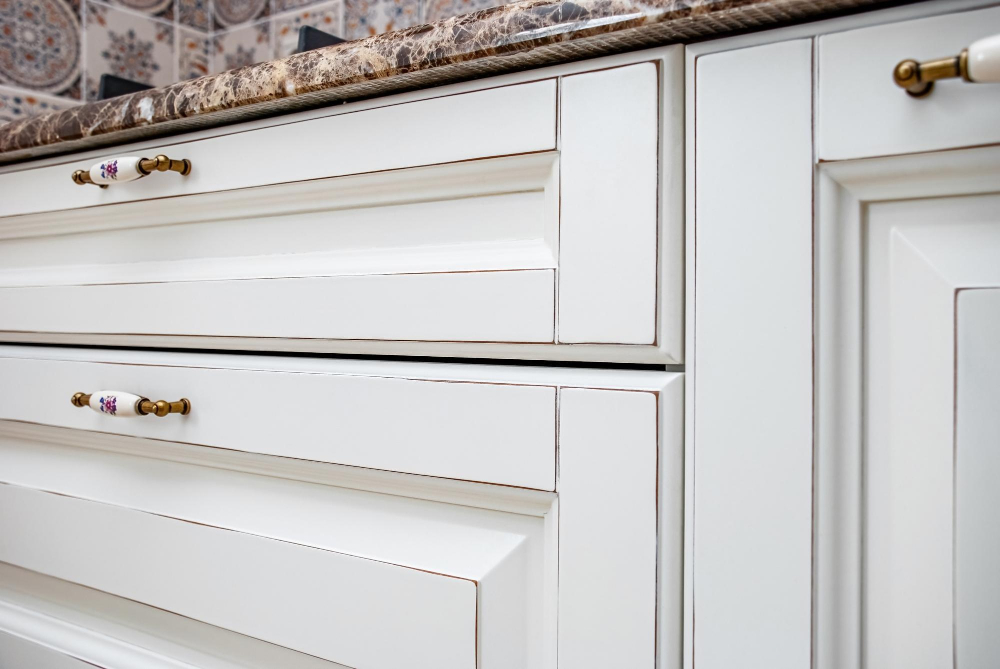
(908, 362)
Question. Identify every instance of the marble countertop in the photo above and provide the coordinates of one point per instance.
(512, 37)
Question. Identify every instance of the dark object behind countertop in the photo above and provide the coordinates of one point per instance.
(112, 86)
(312, 38)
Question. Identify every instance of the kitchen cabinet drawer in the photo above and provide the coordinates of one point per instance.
(479, 431)
(331, 561)
(461, 225)
(862, 113)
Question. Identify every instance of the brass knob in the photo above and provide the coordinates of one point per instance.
(119, 404)
(120, 170)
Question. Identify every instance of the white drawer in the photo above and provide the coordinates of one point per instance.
(862, 113)
(462, 225)
(355, 537)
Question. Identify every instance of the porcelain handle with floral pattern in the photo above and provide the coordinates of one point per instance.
(129, 168)
(125, 405)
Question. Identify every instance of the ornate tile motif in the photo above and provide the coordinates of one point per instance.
(17, 104)
(194, 54)
(195, 14)
(39, 44)
(161, 8)
(286, 5)
(242, 46)
(364, 18)
(128, 45)
(435, 10)
(326, 17)
(228, 13)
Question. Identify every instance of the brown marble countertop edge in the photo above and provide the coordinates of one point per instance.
(516, 37)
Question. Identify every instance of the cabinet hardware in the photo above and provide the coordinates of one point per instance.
(978, 64)
(120, 170)
(125, 405)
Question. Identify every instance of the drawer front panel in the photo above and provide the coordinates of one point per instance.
(521, 119)
(490, 432)
(316, 601)
(513, 243)
(862, 113)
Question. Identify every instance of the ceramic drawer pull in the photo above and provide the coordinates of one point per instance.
(120, 170)
(126, 405)
(979, 64)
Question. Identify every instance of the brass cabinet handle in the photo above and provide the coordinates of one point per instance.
(120, 170)
(126, 405)
(979, 64)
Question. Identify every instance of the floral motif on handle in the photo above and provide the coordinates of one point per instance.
(109, 405)
(109, 170)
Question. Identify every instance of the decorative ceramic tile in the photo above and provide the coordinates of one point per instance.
(163, 9)
(325, 17)
(194, 54)
(435, 10)
(195, 13)
(242, 47)
(17, 104)
(40, 43)
(363, 18)
(229, 13)
(128, 45)
(286, 5)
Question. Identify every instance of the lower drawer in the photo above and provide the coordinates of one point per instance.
(346, 565)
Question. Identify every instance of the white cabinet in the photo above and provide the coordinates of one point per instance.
(516, 221)
(845, 240)
(907, 245)
(368, 514)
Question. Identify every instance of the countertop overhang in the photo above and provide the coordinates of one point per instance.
(508, 38)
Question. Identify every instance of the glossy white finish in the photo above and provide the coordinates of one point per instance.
(984, 60)
(977, 469)
(860, 111)
(490, 432)
(753, 390)
(114, 403)
(608, 206)
(116, 170)
(899, 240)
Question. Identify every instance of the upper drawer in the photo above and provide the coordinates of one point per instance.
(861, 111)
(457, 225)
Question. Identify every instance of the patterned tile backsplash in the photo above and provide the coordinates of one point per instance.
(53, 52)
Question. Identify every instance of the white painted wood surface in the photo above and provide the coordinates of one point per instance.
(451, 249)
(977, 469)
(438, 130)
(490, 432)
(115, 633)
(753, 359)
(167, 499)
(18, 652)
(608, 235)
(326, 604)
(861, 112)
(898, 239)
(607, 529)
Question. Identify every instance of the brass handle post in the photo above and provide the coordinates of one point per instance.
(978, 64)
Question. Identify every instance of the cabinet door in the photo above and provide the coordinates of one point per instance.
(908, 368)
